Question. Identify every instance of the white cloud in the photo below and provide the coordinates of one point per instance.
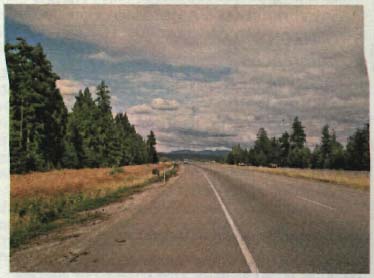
(68, 87)
(140, 109)
(217, 35)
(102, 55)
(164, 104)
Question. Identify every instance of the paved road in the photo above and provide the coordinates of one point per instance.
(228, 219)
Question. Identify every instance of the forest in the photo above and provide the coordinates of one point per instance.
(44, 135)
(290, 150)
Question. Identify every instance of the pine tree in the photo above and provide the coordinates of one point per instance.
(357, 153)
(103, 99)
(109, 153)
(82, 131)
(230, 158)
(141, 150)
(275, 153)
(262, 148)
(37, 112)
(151, 149)
(73, 156)
(298, 137)
(133, 148)
(325, 149)
(284, 148)
(299, 155)
(337, 153)
(316, 160)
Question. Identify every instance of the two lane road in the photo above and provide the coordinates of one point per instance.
(218, 218)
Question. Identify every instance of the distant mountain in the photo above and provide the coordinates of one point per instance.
(196, 155)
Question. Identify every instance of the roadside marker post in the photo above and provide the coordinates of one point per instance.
(164, 176)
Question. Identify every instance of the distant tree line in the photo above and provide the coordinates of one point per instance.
(44, 135)
(290, 150)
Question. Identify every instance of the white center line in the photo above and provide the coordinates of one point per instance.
(243, 247)
(315, 202)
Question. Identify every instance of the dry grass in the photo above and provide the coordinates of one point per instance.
(356, 179)
(41, 201)
(83, 180)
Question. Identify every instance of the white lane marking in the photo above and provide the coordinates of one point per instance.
(243, 247)
(315, 202)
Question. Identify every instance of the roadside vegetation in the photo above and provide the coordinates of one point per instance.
(355, 179)
(290, 150)
(44, 135)
(44, 201)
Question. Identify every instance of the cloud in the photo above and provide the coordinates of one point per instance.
(103, 56)
(68, 87)
(164, 104)
(217, 35)
(140, 109)
(213, 81)
(224, 113)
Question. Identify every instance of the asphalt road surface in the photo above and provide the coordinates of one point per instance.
(229, 219)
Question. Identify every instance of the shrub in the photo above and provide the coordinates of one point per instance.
(116, 170)
(155, 172)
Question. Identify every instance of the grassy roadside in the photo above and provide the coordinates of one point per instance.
(37, 208)
(354, 179)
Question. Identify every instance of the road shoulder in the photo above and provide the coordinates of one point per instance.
(68, 242)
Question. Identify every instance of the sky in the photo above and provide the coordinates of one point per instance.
(208, 77)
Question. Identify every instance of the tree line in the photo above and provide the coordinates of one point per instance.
(290, 150)
(45, 136)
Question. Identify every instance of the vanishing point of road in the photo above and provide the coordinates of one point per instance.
(217, 218)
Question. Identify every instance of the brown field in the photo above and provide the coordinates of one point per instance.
(82, 180)
(356, 179)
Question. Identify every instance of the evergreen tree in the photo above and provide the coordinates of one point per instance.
(298, 137)
(299, 154)
(358, 153)
(337, 153)
(230, 158)
(316, 161)
(299, 157)
(73, 156)
(109, 152)
(325, 149)
(151, 148)
(238, 154)
(132, 145)
(103, 99)
(275, 153)
(330, 154)
(284, 148)
(141, 151)
(82, 131)
(122, 124)
(37, 112)
(262, 148)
